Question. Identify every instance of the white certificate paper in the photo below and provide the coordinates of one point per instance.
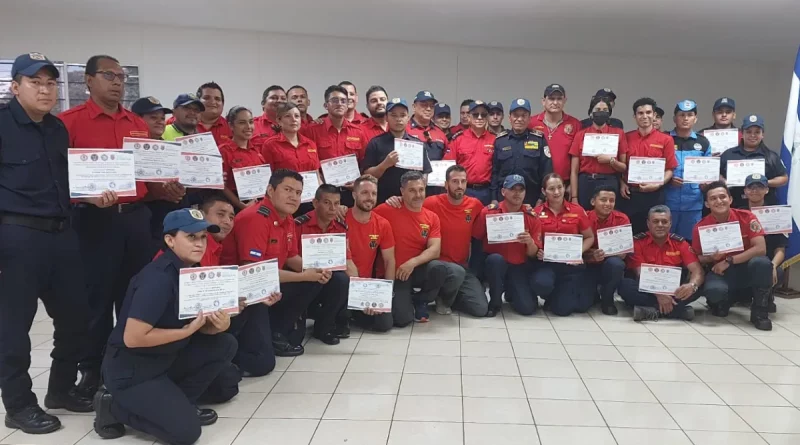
(257, 281)
(437, 177)
(341, 170)
(207, 289)
(656, 279)
(310, 185)
(504, 227)
(600, 144)
(721, 238)
(368, 293)
(615, 240)
(410, 153)
(738, 171)
(774, 219)
(700, 169)
(156, 161)
(202, 143)
(722, 140)
(201, 171)
(325, 251)
(93, 171)
(251, 182)
(560, 248)
(646, 170)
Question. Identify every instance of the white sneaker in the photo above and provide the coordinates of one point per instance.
(441, 309)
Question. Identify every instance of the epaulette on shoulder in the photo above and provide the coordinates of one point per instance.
(501, 134)
(343, 223)
(276, 128)
(263, 211)
(640, 235)
(492, 206)
(536, 133)
(529, 210)
(456, 134)
(302, 219)
(676, 237)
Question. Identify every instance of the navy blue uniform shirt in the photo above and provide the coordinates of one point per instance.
(773, 167)
(377, 150)
(527, 155)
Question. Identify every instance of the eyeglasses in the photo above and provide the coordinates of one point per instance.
(480, 115)
(110, 76)
(337, 101)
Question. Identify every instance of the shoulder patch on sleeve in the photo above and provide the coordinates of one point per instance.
(456, 134)
(302, 219)
(676, 237)
(492, 206)
(640, 235)
(501, 134)
(264, 211)
(755, 226)
(536, 133)
(529, 210)
(343, 223)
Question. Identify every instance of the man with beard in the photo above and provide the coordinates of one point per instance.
(496, 115)
(186, 109)
(298, 95)
(211, 119)
(376, 105)
(422, 127)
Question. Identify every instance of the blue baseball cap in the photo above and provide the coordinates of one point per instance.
(495, 105)
(147, 105)
(606, 92)
(723, 102)
(30, 64)
(686, 106)
(441, 109)
(187, 99)
(512, 180)
(476, 104)
(189, 221)
(756, 178)
(753, 120)
(424, 95)
(396, 102)
(554, 88)
(516, 104)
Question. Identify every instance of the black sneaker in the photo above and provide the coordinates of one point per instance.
(72, 400)
(33, 420)
(421, 314)
(105, 425)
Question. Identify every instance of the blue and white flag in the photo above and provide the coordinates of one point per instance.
(790, 154)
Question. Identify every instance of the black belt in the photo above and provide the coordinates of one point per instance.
(597, 176)
(478, 186)
(116, 208)
(45, 224)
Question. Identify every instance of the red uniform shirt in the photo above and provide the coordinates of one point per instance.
(366, 238)
(434, 133)
(614, 219)
(306, 120)
(458, 221)
(571, 221)
(220, 130)
(371, 129)
(475, 154)
(589, 164)
(212, 257)
(412, 230)
(260, 234)
(749, 227)
(264, 126)
(278, 152)
(559, 140)
(456, 128)
(333, 143)
(514, 252)
(235, 157)
(90, 127)
(308, 224)
(654, 145)
(675, 252)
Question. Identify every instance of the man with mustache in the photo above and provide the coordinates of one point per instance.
(376, 125)
(186, 109)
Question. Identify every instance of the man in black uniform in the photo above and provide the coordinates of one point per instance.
(724, 114)
(658, 119)
(39, 253)
(495, 125)
(612, 122)
(520, 151)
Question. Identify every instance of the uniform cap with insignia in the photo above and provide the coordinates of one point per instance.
(476, 104)
(756, 178)
(554, 88)
(189, 221)
(725, 102)
(753, 120)
(516, 104)
(396, 102)
(606, 92)
(29, 64)
(495, 105)
(512, 180)
(441, 109)
(686, 106)
(185, 99)
(147, 105)
(424, 96)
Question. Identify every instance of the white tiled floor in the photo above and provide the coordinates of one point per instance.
(584, 380)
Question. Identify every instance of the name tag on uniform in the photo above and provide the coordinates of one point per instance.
(531, 145)
(505, 148)
(353, 138)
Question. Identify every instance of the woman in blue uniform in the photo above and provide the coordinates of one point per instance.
(156, 366)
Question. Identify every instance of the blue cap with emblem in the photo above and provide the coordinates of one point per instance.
(189, 221)
(476, 104)
(396, 102)
(147, 105)
(516, 104)
(185, 99)
(29, 64)
(441, 109)
(686, 106)
(606, 92)
(512, 180)
(756, 178)
(753, 120)
(424, 95)
(495, 105)
(725, 102)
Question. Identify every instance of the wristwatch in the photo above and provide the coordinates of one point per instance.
(694, 286)
(729, 260)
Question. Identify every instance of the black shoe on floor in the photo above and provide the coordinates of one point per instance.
(342, 331)
(283, 348)
(492, 312)
(329, 338)
(207, 416)
(33, 420)
(72, 400)
(720, 309)
(609, 309)
(105, 425)
(772, 308)
(90, 381)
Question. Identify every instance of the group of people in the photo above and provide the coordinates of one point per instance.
(91, 258)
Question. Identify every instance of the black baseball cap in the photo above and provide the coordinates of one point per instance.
(147, 105)
(554, 88)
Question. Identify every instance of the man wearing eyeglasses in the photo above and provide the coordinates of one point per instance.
(186, 109)
(422, 127)
(473, 149)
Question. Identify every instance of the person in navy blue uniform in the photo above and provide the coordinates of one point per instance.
(520, 151)
(605, 93)
(156, 365)
(658, 118)
(39, 253)
(724, 114)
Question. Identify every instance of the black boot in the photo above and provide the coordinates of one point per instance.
(72, 400)
(720, 309)
(759, 314)
(33, 420)
(772, 308)
(105, 425)
(90, 382)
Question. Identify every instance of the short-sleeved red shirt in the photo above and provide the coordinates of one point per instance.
(571, 221)
(475, 154)
(653, 145)
(90, 127)
(365, 239)
(333, 143)
(260, 234)
(559, 140)
(615, 219)
(234, 156)
(589, 164)
(278, 152)
(308, 224)
(412, 230)
(675, 252)
(514, 252)
(435, 134)
(371, 129)
(458, 222)
(264, 126)
(749, 226)
(212, 257)
(220, 130)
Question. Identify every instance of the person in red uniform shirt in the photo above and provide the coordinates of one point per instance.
(589, 172)
(509, 265)
(422, 127)
(474, 149)
(298, 95)
(418, 239)
(559, 284)
(748, 267)
(336, 136)
(267, 124)
(211, 120)
(463, 117)
(376, 125)
(559, 127)
(646, 142)
(352, 115)
(602, 270)
(289, 149)
(115, 239)
(368, 232)
(661, 248)
(238, 152)
(267, 231)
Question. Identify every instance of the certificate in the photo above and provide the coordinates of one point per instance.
(251, 182)
(410, 153)
(700, 169)
(437, 176)
(655, 279)
(738, 171)
(721, 238)
(774, 219)
(600, 144)
(207, 289)
(201, 171)
(341, 170)
(560, 248)
(310, 185)
(368, 293)
(504, 227)
(156, 161)
(325, 251)
(257, 281)
(646, 170)
(202, 144)
(615, 240)
(93, 171)
(722, 140)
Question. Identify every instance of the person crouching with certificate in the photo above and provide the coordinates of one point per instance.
(156, 365)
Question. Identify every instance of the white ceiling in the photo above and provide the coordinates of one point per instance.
(748, 30)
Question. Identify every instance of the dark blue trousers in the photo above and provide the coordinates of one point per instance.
(484, 195)
(605, 275)
(561, 286)
(516, 280)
